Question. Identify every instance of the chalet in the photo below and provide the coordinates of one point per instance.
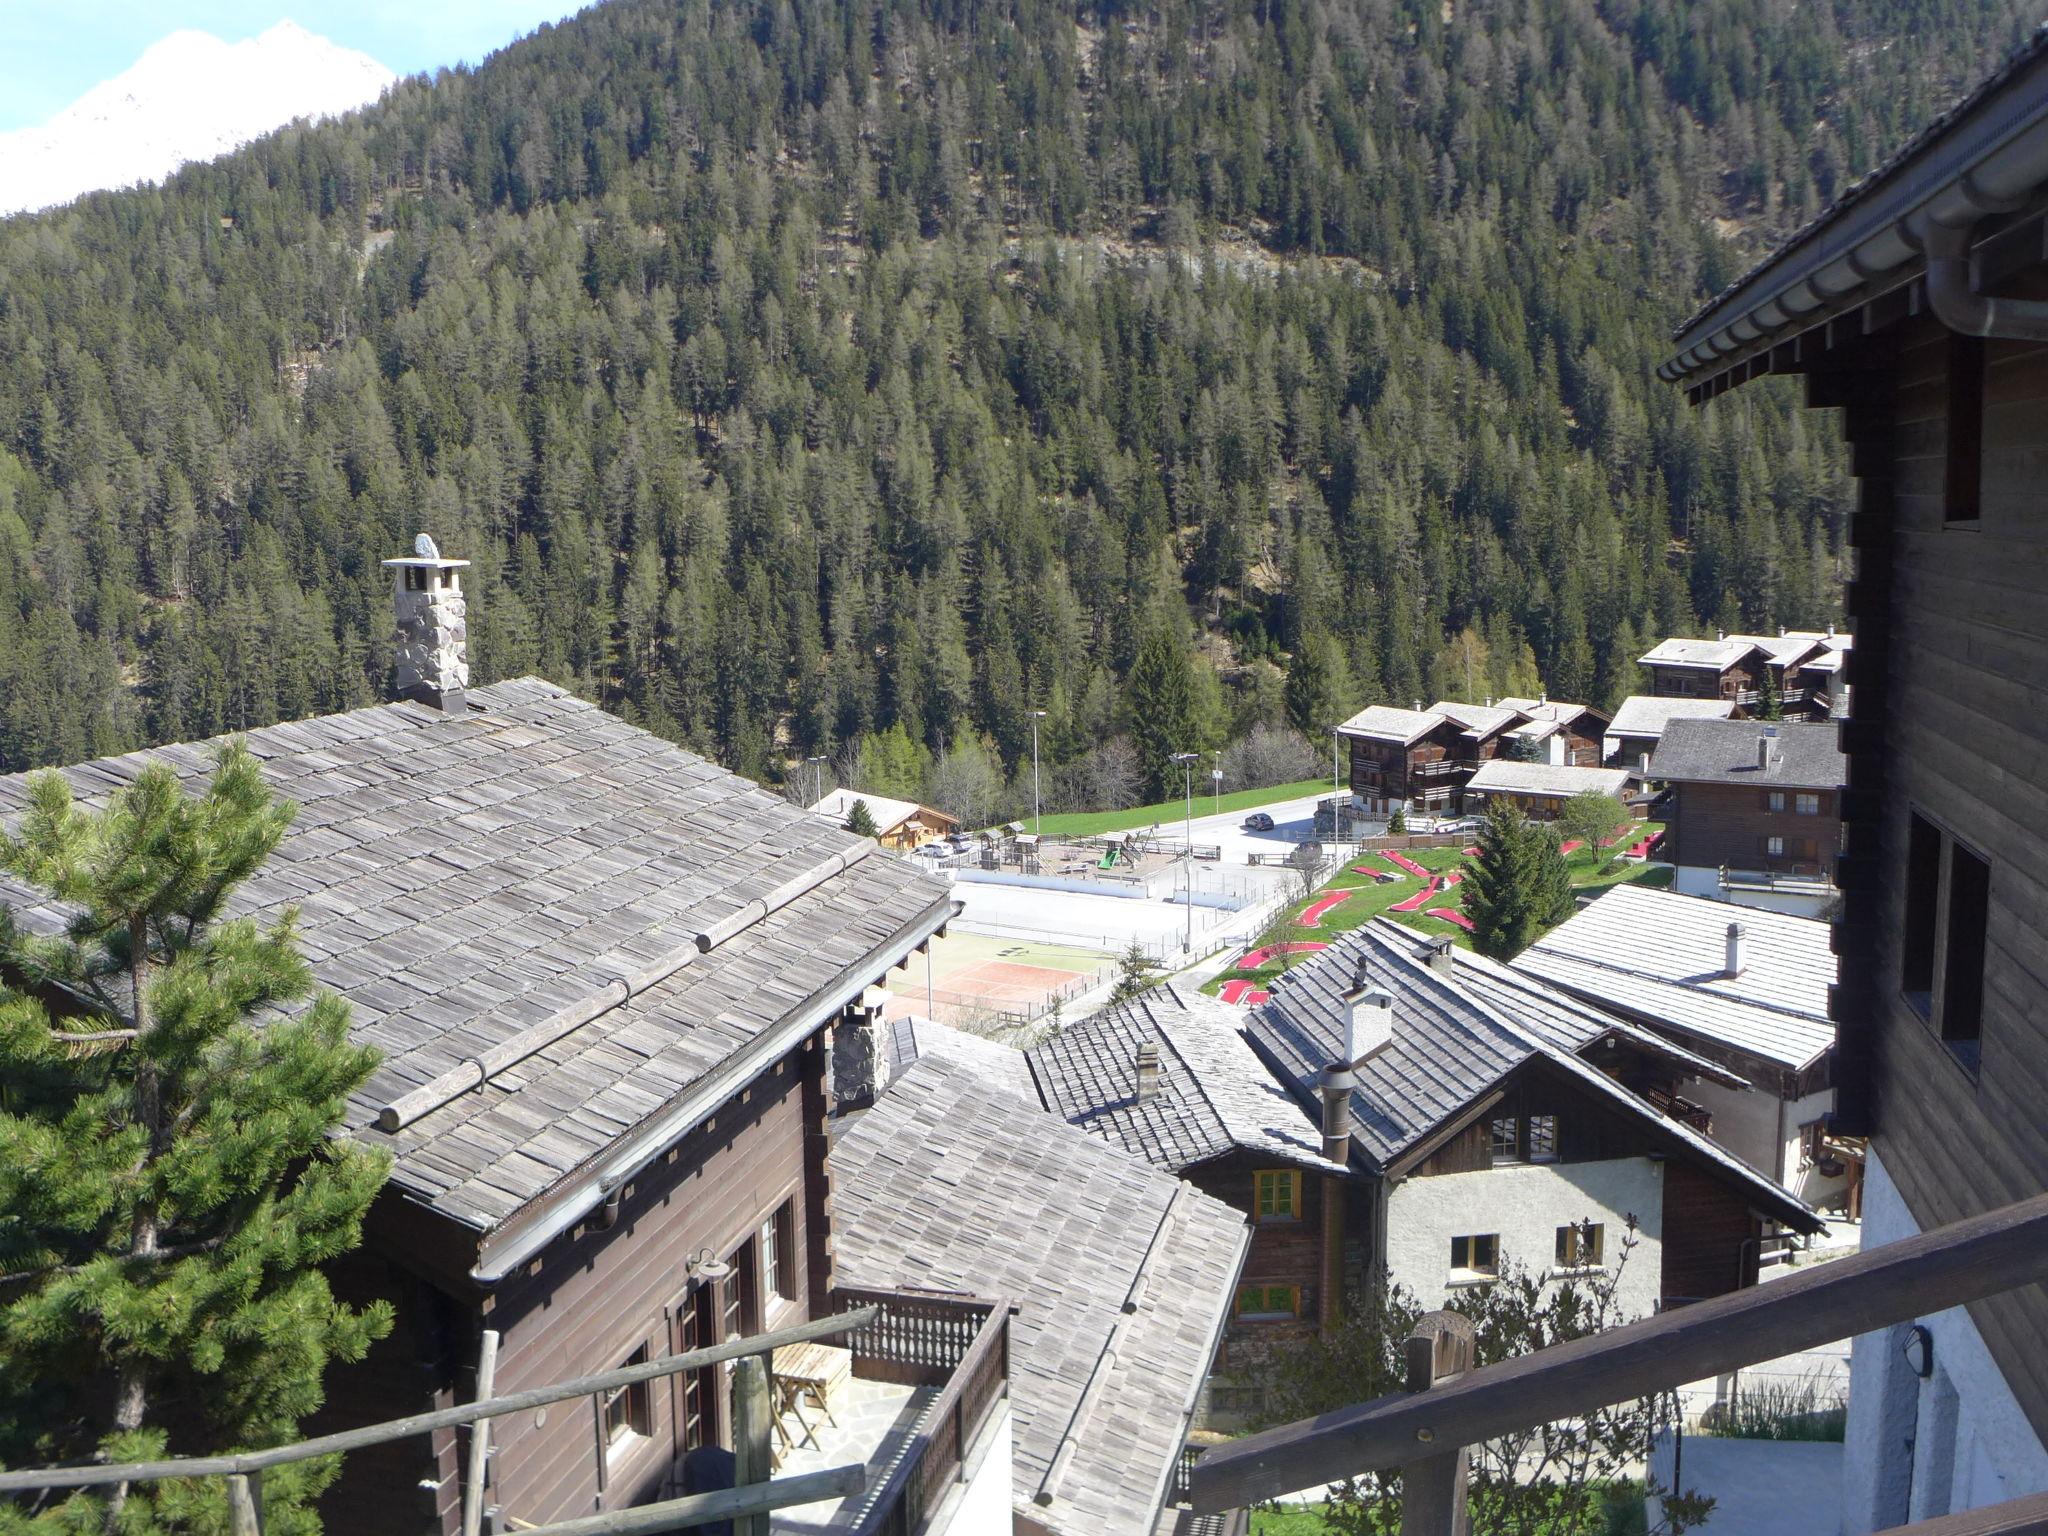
(1754, 812)
(1745, 990)
(1726, 668)
(1121, 1276)
(1460, 1096)
(601, 972)
(1784, 655)
(1552, 731)
(900, 825)
(1538, 788)
(1641, 721)
(1914, 307)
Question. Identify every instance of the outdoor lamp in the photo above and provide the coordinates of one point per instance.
(706, 1265)
(1919, 1351)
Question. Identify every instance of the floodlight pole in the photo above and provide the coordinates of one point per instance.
(1036, 829)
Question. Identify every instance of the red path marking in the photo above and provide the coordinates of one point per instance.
(1445, 882)
(1642, 849)
(1258, 957)
(1573, 846)
(1243, 993)
(1452, 915)
(1472, 852)
(1402, 861)
(1313, 917)
(1414, 903)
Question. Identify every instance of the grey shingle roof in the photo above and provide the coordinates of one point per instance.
(1659, 955)
(1385, 722)
(1717, 654)
(1505, 776)
(948, 1184)
(1214, 1095)
(1809, 754)
(911, 1039)
(1452, 1044)
(460, 880)
(1643, 714)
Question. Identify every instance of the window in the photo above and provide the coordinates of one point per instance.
(1774, 847)
(1807, 805)
(623, 1410)
(1581, 1245)
(1479, 1255)
(695, 1316)
(1268, 1303)
(1278, 1194)
(1963, 487)
(778, 1254)
(1923, 893)
(1506, 1140)
(1962, 981)
(1774, 800)
(1542, 1138)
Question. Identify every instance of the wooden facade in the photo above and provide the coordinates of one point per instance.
(1426, 775)
(746, 1187)
(1738, 682)
(1734, 826)
(1945, 1044)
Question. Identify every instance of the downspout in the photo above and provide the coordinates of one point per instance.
(1955, 299)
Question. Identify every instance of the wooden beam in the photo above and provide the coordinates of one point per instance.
(442, 1418)
(245, 1504)
(752, 1438)
(2017, 1517)
(1433, 1490)
(480, 1436)
(703, 1508)
(1931, 1272)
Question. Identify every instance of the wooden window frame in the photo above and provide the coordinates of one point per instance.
(1262, 1309)
(1571, 1250)
(1943, 938)
(1806, 803)
(1504, 1148)
(625, 1419)
(1539, 1139)
(1774, 801)
(1469, 1247)
(1276, 1180)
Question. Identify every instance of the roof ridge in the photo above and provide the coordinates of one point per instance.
(1680, 982)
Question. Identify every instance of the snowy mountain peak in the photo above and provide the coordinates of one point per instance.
(190, 96)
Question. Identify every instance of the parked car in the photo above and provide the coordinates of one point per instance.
(1258, 821)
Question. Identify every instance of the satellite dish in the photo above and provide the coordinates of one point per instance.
(423, 547)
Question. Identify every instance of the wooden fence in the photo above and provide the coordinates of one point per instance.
(1448, 1408)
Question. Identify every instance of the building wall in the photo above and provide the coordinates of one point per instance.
(1949, 678)
(1763, 1130)
(1917, 1448)
(1281, 1252)
(1796, 899)
(1525, 1204)
(1726, 824)
(982, 1504)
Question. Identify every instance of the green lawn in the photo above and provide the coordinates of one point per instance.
(1290, 1520)
(1369, 898)
(1170, 813)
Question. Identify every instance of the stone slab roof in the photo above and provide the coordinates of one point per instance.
(1783, 650)
(1384, 722)
(1660, 956)
(1643, 714)
(910, 1039)
(888, 814)
(1477, 720)
(1552, 711)
(1452, 1044)
(1504, 776)
(1809, 754)
(951, 1184)
(1214, 1095)
(462, 879)
(1717, 655)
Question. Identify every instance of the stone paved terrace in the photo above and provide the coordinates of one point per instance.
(876, 1422)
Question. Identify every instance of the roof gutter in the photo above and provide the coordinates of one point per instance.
(1994, 160)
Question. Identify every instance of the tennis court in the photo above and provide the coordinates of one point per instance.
(973, 974)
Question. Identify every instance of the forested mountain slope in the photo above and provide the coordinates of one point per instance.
(798, 368)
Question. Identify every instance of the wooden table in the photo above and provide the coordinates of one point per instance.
(814, 1371)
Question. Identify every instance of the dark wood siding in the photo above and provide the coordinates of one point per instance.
(1729, 824)
(1281, 1252)
(1709, 1235)
(1949, 685)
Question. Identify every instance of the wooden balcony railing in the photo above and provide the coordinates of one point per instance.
(959, 1343)
(1683, 1110)
(1446, 1409)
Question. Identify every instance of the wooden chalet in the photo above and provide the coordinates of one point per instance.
(1563, 734)
(1540, 789)
(1917, 308)
(900, 825)
(601, 973)
(1422, 760)
(1725, 668)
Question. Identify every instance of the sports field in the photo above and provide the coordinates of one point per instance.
(973, 974)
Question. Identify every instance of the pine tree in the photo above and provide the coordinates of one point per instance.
(1161, 691)
(1770, 701)
(861, 821)
(169, 1172)
(1518, 886)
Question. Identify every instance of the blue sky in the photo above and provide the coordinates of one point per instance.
(53, 51)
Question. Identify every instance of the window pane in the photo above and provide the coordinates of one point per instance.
(1923, 892)
(1962, 990)
(1506, 1139)
(1542, 1138)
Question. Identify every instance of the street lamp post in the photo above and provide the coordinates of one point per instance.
(1036, 716)
(817, 767)
(1187, 762)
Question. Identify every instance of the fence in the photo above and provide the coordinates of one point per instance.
(954, 1007)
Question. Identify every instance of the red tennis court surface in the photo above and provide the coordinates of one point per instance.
(993, 986)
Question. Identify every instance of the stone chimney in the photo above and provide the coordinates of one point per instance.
(1368, 1021)
(1148, 1069)
(860, 1062)
(1441, 956)
(433, 627)
(1733, 961)
(1767, 747)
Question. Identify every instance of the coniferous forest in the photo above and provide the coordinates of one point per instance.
(809, 374)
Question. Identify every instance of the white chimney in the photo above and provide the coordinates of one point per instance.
(433, 626)
(1767, 747)
(1442, 956)
(1732, 963)
(1368, 1021)
(1148, 1069)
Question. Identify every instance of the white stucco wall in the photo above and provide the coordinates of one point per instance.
(1748, 1122)
(1922, 1448)
(1525, 1204)
(983, 1505)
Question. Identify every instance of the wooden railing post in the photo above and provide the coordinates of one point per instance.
(1433, 1489)
(752, 1433)
(245, 1503)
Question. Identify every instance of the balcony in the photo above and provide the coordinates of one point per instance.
(1442, 766)
(930, 1379)
(1683, 1110)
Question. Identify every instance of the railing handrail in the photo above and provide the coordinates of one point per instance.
(994, 1326)
(243, 1462)
(1963, 1262)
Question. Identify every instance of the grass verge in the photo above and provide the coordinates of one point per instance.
(1169, 813)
